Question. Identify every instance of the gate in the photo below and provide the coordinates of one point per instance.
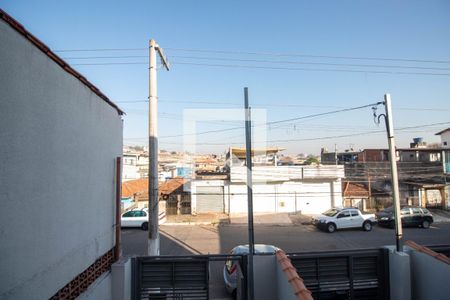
(347, 274)
(170, 278)
(181, 277)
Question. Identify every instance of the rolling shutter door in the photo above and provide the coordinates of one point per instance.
(210, 199)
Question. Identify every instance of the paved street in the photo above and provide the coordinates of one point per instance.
(204, 239)
(190, 239)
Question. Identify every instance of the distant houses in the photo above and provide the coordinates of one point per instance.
(307, 189)
(423, 175)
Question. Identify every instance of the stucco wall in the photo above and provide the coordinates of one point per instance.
(58, 142)
(424, 284)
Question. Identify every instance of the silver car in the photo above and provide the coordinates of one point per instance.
(230, 268)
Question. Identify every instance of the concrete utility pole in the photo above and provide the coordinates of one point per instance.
(153, 201)
(394, 174)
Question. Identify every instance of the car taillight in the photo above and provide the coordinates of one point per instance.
(231, 267)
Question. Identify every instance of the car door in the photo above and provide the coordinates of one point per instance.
(406, 216)
(343, 219)
(127, 219)
(417, 216)
(356, 219)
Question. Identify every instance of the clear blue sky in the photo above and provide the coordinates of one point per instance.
(416, 30)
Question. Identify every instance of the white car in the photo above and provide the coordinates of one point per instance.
(340, 218)
(135, 218)
(230, 268)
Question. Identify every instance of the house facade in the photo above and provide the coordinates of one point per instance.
(306, 189)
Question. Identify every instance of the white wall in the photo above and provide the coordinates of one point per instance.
(58, 144)
(445, 138)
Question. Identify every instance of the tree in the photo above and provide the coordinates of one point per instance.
(311, 160)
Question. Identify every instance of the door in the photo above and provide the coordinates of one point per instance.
(406, 216)
(210, 199)
(343, 219)
(417, 217)
(356, 219)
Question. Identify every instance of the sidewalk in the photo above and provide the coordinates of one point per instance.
(199, 219)
(282, 219)
(440, 216)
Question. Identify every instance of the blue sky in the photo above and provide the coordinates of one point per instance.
(415, 30)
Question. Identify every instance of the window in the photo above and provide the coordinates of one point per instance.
(344, 214)
(354, 213)
(445, 143)
(128, 214)
(416, 211)
(405, 211)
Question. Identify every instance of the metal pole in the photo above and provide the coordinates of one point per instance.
(117, 249)
(394, 174)
(153, 229)
(248, 158)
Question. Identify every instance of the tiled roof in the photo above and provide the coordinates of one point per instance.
(46, 50)
(300, 290)
(132, 187)
(171, 185)
(139, 187)
(351, 189)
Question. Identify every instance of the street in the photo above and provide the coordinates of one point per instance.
(189, 240)
(207, 239)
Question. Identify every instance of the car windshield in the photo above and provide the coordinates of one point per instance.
(389, 209)
(331, 212)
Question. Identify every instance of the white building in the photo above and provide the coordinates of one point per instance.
(305, 189)
(445, 138)
(60, 138)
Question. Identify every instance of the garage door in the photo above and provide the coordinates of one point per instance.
(210, 199)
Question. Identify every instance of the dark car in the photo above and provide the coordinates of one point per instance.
(411, 216)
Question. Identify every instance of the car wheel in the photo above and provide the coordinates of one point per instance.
(331, 227)
(367, 226)
(425, 224)
(234, 294)
(144, 226)
(392, 224)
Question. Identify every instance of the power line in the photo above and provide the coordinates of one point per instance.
(311, 55)
(310, 69)
(277, 54)
(227, 59)
(313, 63)
(318, 138)
(279, 121)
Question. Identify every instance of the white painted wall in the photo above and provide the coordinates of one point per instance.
(312, 197)
(445, 139)
(58, 144)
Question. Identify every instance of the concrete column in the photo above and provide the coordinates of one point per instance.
(399, 274)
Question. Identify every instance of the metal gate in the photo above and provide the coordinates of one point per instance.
(170, 278)
(347, 274)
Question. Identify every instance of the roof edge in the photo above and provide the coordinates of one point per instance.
(46, 50)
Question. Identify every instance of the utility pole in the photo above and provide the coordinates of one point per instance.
(248, 158)
(394, 174)
(153, 201)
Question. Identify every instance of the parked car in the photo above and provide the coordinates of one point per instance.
(340, 218)
(410, 215)
(135, 218)
(230, 268)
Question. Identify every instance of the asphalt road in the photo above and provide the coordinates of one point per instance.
(190, 239)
